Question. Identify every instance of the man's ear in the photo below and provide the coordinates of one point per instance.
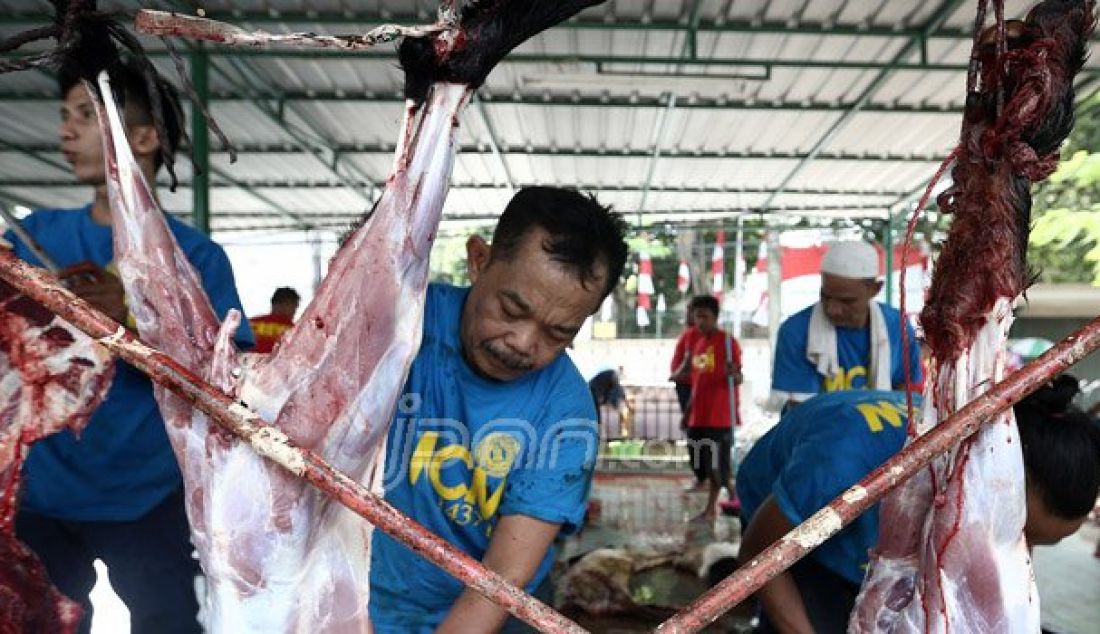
(477, 256)
(876, 286)
(143, 141)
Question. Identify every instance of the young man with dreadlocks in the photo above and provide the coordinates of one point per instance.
(115, 493)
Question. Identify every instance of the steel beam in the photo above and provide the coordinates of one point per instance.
(600, 187)
(494, 144)
(567, 152)
(317, 217)
(19, 200)
(310, 140)
(550, 100)
(581, 58)
(934, 22)
(200, 141)
(655, 154)
(38, 155)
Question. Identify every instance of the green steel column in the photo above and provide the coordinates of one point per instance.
(775, 278)
(888, 244)
(200, 188)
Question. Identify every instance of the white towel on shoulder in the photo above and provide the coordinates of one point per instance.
(821, 347)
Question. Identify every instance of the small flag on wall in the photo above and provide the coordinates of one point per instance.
(645, 288)
(717, 265)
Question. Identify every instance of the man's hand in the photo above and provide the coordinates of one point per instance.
(97, 287)
(734, 372)
(682, 373)
(515, 551)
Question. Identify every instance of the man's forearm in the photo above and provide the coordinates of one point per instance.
(474, 614)
(783, 605)
(516, 549)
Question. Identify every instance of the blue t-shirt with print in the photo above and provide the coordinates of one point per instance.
(817, 451)
(464, 451)
(794, 374)
(121, 466)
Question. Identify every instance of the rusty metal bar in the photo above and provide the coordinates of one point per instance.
(165, 23)
(272, 443)
(868, 491)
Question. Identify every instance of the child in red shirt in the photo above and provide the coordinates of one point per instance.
(680, 375)
(710, 413)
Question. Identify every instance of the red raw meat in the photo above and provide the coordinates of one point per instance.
(52, 376)
(278, 555)
(951, 555)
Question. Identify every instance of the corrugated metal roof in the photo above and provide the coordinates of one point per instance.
(799, 107)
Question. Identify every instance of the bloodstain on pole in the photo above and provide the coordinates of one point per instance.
(273, 444)
(867, 492)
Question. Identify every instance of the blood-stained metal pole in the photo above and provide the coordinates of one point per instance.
(868, 491)
(273, 444)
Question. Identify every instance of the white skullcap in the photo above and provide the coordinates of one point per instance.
(853, 259)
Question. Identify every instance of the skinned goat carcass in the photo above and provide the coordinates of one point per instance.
(278, 555)
(952, 555)
(52, 377)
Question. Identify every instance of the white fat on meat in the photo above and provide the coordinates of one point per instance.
(952, 553)
(278, 555)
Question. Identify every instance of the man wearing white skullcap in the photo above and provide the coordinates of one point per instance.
(846, 340)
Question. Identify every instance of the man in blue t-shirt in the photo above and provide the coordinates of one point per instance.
(817, 451)
(846, 340)
(114, 492)
(494, 442)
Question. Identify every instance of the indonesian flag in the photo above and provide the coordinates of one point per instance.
(683, 277)
(645, 288)
(717, 265)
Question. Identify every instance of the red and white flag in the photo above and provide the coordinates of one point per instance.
(717, 265)
(645, 288)
(683, 277)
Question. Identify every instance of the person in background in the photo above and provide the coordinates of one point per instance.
(270, 328)
(115, 492)
(711, 415)
(821, 448)
(846, 340)
(680, 375)
(607, 389)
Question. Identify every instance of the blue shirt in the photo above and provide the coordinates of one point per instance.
(816, 452)
(464, 451)
(794, 374)
(122, 465)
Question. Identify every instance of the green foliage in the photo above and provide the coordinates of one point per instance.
(1067, 245)
(1065, 237)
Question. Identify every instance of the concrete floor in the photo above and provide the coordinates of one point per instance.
(1068, 577)
(651, 515)
(652, 511)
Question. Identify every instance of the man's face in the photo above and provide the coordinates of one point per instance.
(80, 140)
(82, 144)
(287, 308)
(705, 320)
(846, 301)
(522, 313)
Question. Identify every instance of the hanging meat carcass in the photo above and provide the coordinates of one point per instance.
(52, 377)
(280, 557)
(951, 555)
